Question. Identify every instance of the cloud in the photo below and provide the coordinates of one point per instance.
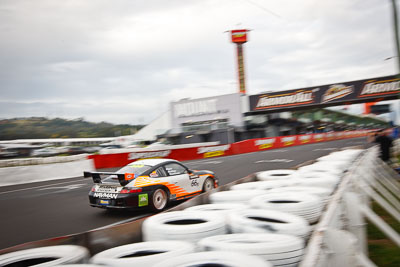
(124, 61)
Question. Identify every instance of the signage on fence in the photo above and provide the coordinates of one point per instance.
(375, 89)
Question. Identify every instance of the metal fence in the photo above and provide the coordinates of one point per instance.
(339, 239)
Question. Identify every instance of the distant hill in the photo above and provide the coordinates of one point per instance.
(38, 127)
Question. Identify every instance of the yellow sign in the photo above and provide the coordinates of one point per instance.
(265, 146)
(214, 154)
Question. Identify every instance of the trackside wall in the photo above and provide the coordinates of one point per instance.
(247, 146)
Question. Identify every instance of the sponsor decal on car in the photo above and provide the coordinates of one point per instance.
(194, 183)
(337, 91)
(129, 176)
(105, 195)
(143, 200)
(288, 141)
(147, 155)
(214, 151)
(107, 189)
(265, 143)
(374, 88)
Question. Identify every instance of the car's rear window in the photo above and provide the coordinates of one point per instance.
(136, 169)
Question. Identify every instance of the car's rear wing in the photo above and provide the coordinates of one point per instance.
(123, 178)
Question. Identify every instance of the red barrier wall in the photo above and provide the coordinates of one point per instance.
(246, 146)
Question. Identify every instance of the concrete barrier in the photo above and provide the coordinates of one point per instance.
(44, 172)
(38, 161)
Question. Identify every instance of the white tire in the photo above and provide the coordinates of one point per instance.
(220, 207)
(142, 254)
(323, 193)
(323, 166)
(278, 249)
(304, 205)
(348, 155)
(326, 182)
(215, 258)
(234, 196)
(183, 225)
(47, 256)
(263, 185)
(268, 221)
(275, 175)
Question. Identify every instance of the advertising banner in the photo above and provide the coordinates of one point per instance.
(208, 152)
(382, 88)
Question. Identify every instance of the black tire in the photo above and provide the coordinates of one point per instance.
(208, 185)
(159, 200)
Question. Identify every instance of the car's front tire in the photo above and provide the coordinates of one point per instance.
(159, 200)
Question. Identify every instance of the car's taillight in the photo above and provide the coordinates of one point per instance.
(93, 189)
(130, 190)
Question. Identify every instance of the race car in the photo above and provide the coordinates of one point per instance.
(149, 183)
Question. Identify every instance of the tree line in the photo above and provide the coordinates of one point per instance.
(40, 127)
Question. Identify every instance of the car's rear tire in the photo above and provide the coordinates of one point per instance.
(159, 200)
(208, 185)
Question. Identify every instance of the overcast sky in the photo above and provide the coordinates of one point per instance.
(123, 61)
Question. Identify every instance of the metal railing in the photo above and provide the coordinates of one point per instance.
(340, 238)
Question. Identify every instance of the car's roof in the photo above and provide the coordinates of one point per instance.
(152, 162)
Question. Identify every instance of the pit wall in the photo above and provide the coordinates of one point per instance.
(247, 146)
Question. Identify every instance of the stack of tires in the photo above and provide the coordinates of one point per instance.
(46, 256)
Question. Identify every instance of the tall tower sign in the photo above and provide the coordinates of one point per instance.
(239, 37)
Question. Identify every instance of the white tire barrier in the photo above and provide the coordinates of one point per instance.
(268, 221)
(263, 185)
(46, 256)
(275, 175)
(220, 207)
(215, 258)
(183, 225)
(323, 193)
(322, 166)
(79, 265)
(347, 155)
(326, 182)
(142, 254)
(279, 249)
(304, 205)
(234, 196)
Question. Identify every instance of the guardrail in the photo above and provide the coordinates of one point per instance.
(340, 238)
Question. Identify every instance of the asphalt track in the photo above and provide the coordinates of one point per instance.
(45, 210)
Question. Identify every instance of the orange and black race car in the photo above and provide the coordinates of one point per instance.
(148, 183)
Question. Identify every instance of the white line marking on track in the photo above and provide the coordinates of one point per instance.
(35, 187)
(275, 151)
(274, 160)
(325, 149)
(66, 188)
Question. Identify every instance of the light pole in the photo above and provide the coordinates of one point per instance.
(396, 34)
